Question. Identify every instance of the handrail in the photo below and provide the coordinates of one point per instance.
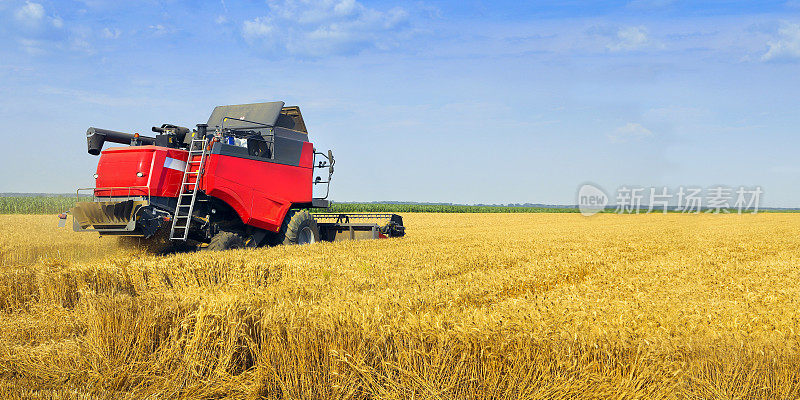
(112, 188)
(330, 163)
(263, 125)
(267, 138)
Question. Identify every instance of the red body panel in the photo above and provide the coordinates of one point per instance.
(261, 192)
(118, 166)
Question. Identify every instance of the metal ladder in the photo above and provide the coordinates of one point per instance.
(187, 195)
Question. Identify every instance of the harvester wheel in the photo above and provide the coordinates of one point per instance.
(225, 241)
(299, 228)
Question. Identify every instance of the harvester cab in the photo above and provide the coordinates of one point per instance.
(243, 178)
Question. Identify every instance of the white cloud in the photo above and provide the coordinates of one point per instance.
(345, 7)
(81, 39)
(786, 46)
(631, 131)
(159, 30)
(32, 46)
(258, 28)
(221, 19)
(81, 45)
(38, 33)
(111, 33)
(30, 14)
(308, 28)
(630, 38)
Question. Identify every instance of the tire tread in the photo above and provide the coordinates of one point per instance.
(225, 241)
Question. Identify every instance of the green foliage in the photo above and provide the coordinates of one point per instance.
(35, 204)
(58, 204)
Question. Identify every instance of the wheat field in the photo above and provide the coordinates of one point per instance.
(466, 306)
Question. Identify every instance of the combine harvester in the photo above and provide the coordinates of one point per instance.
(244, 179)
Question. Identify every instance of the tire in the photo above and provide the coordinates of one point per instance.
(225, 241)
(299, 227)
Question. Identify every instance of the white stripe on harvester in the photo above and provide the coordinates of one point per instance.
(172, 163)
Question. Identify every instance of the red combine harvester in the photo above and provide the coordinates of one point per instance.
(245, 178)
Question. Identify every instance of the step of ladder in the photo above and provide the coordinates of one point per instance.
(187, 196)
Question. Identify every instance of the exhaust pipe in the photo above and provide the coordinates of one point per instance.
(95, 137)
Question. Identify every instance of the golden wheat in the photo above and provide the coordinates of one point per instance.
(501, 306)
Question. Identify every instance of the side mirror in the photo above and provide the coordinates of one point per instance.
(330, 161)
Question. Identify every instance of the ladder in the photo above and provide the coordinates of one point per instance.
(187, 195)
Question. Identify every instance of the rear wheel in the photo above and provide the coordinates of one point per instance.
(299, 227)
(225, 241)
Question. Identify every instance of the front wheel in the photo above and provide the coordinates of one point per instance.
(225, 241)
(301, 228)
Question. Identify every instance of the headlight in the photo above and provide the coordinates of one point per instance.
(139, 174)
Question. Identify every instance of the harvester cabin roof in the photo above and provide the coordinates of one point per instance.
(259, 114)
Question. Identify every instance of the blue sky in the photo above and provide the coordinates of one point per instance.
(468, 102)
